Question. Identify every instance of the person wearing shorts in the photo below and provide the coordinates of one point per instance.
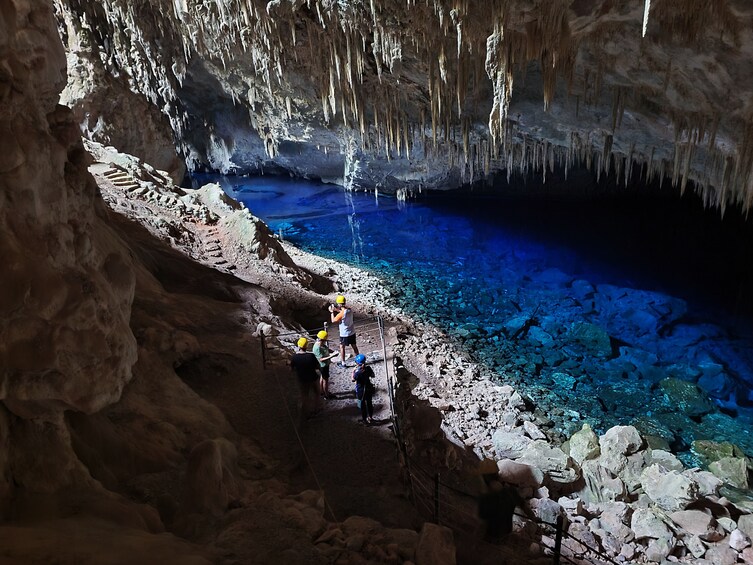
(324, 356)
(342, 314)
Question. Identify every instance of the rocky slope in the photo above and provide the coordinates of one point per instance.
(107, 454)
(403, 95)
(619, 493)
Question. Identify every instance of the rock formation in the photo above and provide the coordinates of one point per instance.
(432, 93)
(116, 322)
(104, 445)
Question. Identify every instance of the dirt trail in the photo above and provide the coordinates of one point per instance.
(355, 465)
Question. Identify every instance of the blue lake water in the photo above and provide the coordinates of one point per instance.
(599, 312)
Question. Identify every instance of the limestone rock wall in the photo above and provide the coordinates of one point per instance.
(107, 110)
(402, 95)
(104, 443)
(67, 282)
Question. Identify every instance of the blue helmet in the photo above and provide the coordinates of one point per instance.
(360, 359)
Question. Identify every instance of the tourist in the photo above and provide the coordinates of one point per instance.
(306, 367)
(364, 388)
(324, 355)
(341, 313)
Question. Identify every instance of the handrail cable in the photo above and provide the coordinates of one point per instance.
(303, 448)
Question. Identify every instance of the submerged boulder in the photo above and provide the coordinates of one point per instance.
(710, 451)
(686, 397)
(592, 337)
(732, 470)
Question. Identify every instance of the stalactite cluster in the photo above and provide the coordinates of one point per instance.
(440, 78)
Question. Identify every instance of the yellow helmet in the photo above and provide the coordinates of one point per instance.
(340, 299)
(322, 335)
(302, 342)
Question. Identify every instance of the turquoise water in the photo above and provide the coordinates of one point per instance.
(621, 303)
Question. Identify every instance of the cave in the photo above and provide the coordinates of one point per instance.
(538, 211)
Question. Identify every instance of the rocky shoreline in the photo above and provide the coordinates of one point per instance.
(619, 491)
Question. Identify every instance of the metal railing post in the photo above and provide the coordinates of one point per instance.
(558, 541)
(390, 389)
(263, 350)
(436, 498)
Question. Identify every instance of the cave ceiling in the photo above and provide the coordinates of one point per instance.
(401, 95)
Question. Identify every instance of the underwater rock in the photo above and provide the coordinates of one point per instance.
(656, 434)
(540, 337)
(718, 385)
(582, 289)
(686, 335)
(710, 451)
(563, 381)
(686, 397)
(641, 321)
(515, 325)
(638, 357)
(592, 337)
(732, 470)
(553, 277)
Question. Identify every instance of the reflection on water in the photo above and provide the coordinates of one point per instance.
(623, 311)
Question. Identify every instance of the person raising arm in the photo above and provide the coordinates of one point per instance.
(342, 314)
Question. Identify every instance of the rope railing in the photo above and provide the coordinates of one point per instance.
(421, 475)
(429, 493)
(279, 341)
(425, 484)
(360, 324)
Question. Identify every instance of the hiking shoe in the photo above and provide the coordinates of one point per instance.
(341, 365)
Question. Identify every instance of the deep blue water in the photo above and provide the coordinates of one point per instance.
(648, 275)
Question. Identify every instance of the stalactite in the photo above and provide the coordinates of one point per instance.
(607, 153)
(326, 40)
